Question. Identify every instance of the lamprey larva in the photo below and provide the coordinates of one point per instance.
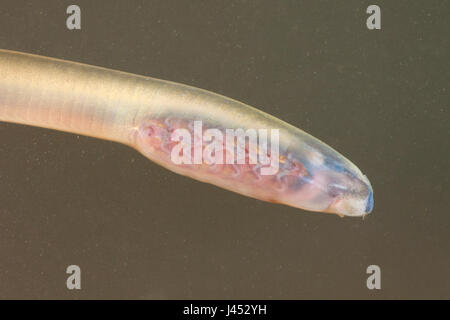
(162, 119)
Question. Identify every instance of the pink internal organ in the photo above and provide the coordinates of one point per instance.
(158, 135)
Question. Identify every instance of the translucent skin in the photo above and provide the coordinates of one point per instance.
(311, 175)
(142, 112)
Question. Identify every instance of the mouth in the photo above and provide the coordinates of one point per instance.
(352, 205)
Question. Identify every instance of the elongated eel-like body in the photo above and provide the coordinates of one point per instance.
(144, 113)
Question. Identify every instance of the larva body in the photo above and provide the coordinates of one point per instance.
(144, 113)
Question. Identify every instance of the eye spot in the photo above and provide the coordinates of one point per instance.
(335, 189)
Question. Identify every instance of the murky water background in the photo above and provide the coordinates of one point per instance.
(139, 231)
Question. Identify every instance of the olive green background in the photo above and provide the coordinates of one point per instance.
(138, 231)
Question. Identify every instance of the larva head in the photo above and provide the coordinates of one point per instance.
(313, 177)
(351, 196)
(333, 185)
